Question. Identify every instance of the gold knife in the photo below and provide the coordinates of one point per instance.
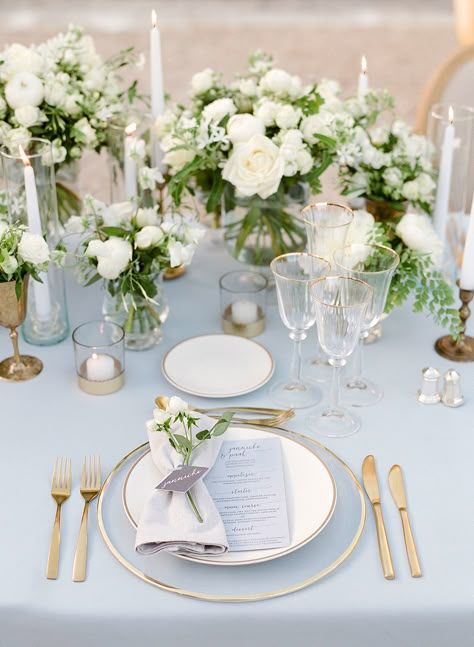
(369, 476)
(397, 488)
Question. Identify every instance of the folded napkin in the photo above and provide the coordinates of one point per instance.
(168, 521)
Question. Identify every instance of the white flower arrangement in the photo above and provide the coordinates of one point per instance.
(21, 254)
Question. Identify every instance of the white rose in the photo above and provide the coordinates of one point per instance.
(33, 249)
(19, 58)
(24, 89)
(287, 117)
(27, 116)
(55, 92)
(85, 133)
(315, 124)
(160, 416)
(180, 254)
(118, 214)
(248, 87)
(203, 81)
(304, 160)
(146, 217)
(96, 248)
(379, 135)
(266, 111)
(241, 128)
(255, 167)
(115, 254)
(9, 265)
(218, 109)
(411, 190)
(281, 83)
(149, 236)
(392, 176)
(418, 233)
(176, 405)
(361, 228)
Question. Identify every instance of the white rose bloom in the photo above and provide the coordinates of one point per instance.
(218, 109)
(119, 213)
(392, 176)
(304, 160)
(113, 258)
(411, 190)
(96, 248)
(266, 111)
(176, 405)
(241, 128)
(19, 58)
(418, 233)
(9, 265)
(87, 133)
(287, 117)
(255, 167)
(149, 236)
(55, 92)
(146, 217)
(33, 249)
(24, 89)
(319, 123)
(248, 87)
(164, 124)
(180, 254)
(3, 107)
(281, 83)
(380, 135)
(203, 81)
(160, 416)
(27, 116)
(361, 228)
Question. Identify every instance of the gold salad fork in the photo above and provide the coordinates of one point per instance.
(60, 491)
(90, 486)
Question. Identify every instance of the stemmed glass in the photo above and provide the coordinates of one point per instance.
(294, 274)
(326, 225)
(374, 264)
(341, 303)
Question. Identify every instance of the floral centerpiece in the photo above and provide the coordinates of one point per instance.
(249, 145)
(21, 254)
(63, 91)
(129, 247)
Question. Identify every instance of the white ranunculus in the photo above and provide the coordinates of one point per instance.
(379, 135)
(146, 217)
(85, 133)
(361, 228)
(218, 109)
(27, 116)
(24, 89)
(176, 405)
(180, 254)
(148, 236)
(418, 234)
(96, 248)
(19, 58)
(267, 111)
(116, 255)
(241, 128)
(33, 249)
(393, 176)
(255, 167)
(281, 83)
(9, 265)
(203, 81)
(411, 190)
(287, 117)
(119, 213)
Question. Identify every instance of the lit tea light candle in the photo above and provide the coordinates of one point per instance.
(363, 86)
(40, 290)
(100, 368)
(440, 216)
(244, 312)
(129, 165)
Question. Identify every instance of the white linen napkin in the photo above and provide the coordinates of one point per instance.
(168, 521)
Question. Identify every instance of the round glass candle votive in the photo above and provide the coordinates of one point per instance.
(100, 357)
(243, 302)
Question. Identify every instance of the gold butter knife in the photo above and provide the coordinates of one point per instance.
(397, 488)
(369, 476)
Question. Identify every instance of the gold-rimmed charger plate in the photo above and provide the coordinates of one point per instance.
(293, 572)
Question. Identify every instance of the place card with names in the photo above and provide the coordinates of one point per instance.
(248, 488)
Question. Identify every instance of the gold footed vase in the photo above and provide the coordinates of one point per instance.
(12, 314)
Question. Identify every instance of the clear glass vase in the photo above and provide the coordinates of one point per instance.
(256, 230)
(140, 318)
(68, 190)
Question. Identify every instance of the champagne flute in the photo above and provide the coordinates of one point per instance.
(341, 303)
(374, 264)
(294, 274)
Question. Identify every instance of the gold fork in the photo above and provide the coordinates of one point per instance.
(60, 491)
(90, 486)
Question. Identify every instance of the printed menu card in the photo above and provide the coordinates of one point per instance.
(248, 488)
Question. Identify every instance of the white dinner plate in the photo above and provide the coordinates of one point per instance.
(310, 496)
(218, 366)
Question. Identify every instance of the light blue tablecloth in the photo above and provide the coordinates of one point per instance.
(354, 606)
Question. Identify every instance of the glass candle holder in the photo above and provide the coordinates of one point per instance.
(31, 197)
(243, 302)
(99, 352)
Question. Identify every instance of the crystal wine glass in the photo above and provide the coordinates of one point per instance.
(326, 225)
(294, 274)
(374, 264)
(340, 303)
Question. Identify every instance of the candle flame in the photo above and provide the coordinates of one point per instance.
(153, 19)
(24, 156)
(363, 65)
(451, 115)
(131, 129)
(94, 356)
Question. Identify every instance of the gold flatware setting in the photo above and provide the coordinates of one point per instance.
(60, 491)
(90, 487)
(397, 488)
(369, 477)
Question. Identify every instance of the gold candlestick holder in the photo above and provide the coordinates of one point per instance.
(462, 348)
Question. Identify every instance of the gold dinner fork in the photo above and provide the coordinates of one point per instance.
(90, 486)
(60, 491)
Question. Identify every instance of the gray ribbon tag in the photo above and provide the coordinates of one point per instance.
(182, 478)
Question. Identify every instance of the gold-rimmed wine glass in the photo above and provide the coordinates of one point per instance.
(12, 314)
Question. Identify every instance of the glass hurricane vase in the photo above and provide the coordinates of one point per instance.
(256, 230)
(140, 318)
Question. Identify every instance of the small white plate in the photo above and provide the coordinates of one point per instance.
(310, 496)
(218, 366)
